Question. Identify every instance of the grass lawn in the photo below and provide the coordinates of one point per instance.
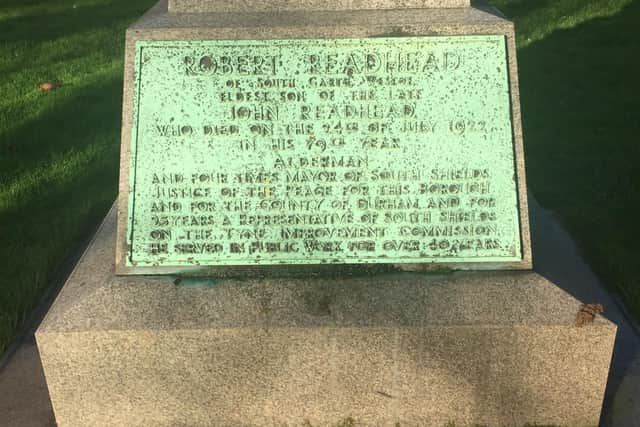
(580, 87)
(579, 62)
(59, 149)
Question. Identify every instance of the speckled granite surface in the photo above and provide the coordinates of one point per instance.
(199, 6)
(487, 348)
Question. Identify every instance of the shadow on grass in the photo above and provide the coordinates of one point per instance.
(579, 90)
(45, 46)
(68, 120)
(536, 20)
(58, 150)
(512, 8)
(6, 4)
(57, 209)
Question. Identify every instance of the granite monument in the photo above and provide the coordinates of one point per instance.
(301, 182)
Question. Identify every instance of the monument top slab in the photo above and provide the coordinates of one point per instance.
(218, 6)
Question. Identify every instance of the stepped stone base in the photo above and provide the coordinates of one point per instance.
(401, 349)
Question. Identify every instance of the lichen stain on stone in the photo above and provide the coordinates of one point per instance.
(346, 422)
(587, 313)
(318, 301)
(396, 32)
(204, 282)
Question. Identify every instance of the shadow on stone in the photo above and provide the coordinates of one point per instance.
(25, 399)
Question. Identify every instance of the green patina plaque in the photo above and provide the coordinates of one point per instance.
(379, 150)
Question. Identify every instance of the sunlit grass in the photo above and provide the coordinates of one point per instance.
(537, 19)
(58, 149)
(579, 64)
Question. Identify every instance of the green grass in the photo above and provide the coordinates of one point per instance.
(580, 88)
(59, 149)
(579, 62)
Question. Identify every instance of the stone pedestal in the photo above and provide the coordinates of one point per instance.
(397, 349)
(388, 349)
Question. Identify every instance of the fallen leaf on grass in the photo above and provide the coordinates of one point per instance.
(587, 313)
(47, 86)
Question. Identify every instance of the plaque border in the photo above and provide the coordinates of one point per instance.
(505, 29)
